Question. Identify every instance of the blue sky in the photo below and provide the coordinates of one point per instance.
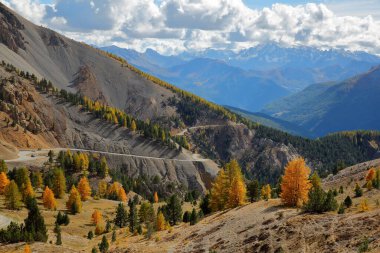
(171, 26)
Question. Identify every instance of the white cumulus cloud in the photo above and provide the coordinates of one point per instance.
(171, 26)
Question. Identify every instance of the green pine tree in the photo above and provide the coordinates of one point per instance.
(104, 245)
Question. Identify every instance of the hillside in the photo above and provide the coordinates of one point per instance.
(272, 122)
(262, 226)
(251, 78)
(154, 104)
(32, 119)
(332, 107)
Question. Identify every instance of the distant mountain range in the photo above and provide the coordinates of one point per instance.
(336, 106)
(251, 78)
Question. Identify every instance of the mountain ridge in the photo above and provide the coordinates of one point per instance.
(338, 106)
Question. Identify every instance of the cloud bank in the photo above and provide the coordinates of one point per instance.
(171, 26)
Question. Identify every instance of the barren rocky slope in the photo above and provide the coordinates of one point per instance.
(31, 120)
(80, 68)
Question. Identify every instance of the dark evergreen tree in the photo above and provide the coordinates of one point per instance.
(133, 218)
(114, 235)
(59, 236)
(330, 203)
(348, 202)
(35, 223)
(104, 245)
(186, 217)
(205, 204)
(121, 218)
(14, 233)
(341, 208)
(90, 235)
(173, 210)
(320, 201)
(358, 191)
(193, 217)
(108, 226)
(253, 189)
(139, 229)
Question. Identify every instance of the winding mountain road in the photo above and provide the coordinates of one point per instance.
(29, 155)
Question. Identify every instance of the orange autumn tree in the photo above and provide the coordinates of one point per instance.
(4, 182)
(96, 217)
(27, 249)
(295, 184)
(121, 195)
(84, 189)
(370, 175)
(117, 192)
(48, 199)
(155, 197)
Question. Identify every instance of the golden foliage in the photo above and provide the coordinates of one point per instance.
(133, 126)
(102, 188)
(28, 190)
(100, 227)
(295, 185)
(160, 223)
(4, 182)
(48, 199)
(364, 206)
(84, 189)
(13, 196)
(96, 217)
(117, 192)
(155, 197)
(266, 192)
(228, 189)
(74, 199)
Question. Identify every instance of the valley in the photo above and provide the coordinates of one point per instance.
(105, 149)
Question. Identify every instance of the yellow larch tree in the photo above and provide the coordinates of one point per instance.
(266, 192)
(155, 197)
(102, 188)
(100, 227)
(96, 217)
(28, 190)
(219, 192)
(295, 184)
(74, 203)
(133, 126)
(228, 189)
(49, 199)
(160, 222)
(237, 189)
(4, 182)
(84, 189)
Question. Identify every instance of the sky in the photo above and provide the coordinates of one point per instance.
(173, 26)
